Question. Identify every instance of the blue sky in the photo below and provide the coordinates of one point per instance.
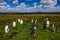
(27, 2)
(58, 1)
(30, 3)
(28, 6)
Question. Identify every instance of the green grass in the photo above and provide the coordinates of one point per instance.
(23, 33)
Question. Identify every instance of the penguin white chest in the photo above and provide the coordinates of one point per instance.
(21, 22)
(6, 29)
(14, 24)
(32, 20)
(35, 28)
(47, 22)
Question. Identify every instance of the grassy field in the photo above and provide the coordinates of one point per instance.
(23, 33)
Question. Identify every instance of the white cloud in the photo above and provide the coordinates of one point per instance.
(22, 6)
(50, 6)
(33, 9)
(15, 2)
(3, 6)
(8, 6)
(35, 4)
(52, 9)
(48, 3)
(3, 3)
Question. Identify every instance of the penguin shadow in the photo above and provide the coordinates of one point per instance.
(13, 34)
